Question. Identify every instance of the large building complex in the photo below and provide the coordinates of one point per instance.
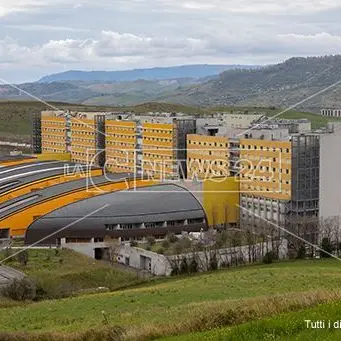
(252, 169)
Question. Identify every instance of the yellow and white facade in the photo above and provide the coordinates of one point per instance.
(53, 132)
(83, 139)
(265, 168)
(120, 146)
(207, 156)
(159, 150)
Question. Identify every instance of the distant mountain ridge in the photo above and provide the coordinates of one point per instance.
(285, 84)
(157, 73)
(312, 82)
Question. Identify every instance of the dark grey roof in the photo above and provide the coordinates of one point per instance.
(163, 202)
(19, 203)
(15, 157)
(13, 172)
(27, 178)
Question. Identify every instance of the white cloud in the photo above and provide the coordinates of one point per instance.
(113, 46)
(88, 34)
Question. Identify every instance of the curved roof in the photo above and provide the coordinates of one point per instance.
(17, 171)
(9, 158)
(50, 171)
(19, 203)
(89, 217)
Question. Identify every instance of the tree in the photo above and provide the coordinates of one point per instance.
(326, 247)
(20, 289)
(151, 240)
(23, 257)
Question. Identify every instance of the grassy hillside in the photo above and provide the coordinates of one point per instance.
(61, 273)
(190, 304)
(285, 326)
(281, 85)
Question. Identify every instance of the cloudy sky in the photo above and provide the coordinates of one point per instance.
(39, 37)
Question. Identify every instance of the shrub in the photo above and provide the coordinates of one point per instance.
(326, 246)
(23, 257)
(171, 237)
(133, 243)
(301, 252)
(175, 270)
(165, 243)
(184, 266)
(20, 289)
(193, 266)
(269, 257)
(151, 240)
(7, 254)
(213, 262)
(160, 250)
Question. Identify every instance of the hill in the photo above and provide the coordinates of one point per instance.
(177, 306)
(279, 85)
(183, 71)
(63, 273)
(297, 80)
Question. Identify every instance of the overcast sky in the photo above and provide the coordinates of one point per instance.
(39, 37)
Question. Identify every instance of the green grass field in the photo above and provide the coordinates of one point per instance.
(189, 304)
(285, 326)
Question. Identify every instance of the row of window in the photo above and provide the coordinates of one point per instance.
(82, 132)
(52, 123)
(128, 137)
(208, 144)
(244, 186)
(157, 156)
(113, 227)
(269, 149)
(159, 131)
(265, 179)
(159, 139)
(256, 167)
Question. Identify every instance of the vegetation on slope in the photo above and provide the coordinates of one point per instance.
(281, 85)
(62, 273)
(196, 303)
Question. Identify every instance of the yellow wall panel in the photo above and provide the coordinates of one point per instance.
(221, 200)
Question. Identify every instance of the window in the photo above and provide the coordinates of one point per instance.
(111, 227)
(77, 240)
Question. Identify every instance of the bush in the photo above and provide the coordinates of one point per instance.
(8, 254)
(133, 243)
(326, 246)
(160, 250)
(269, 257)
(184, 266)
(171, 237)
(213, 262)
(20, 290)
(151, 240)
(301, 252)
(23, 257)
(175, 270)
(193, 266)
(165, 243)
